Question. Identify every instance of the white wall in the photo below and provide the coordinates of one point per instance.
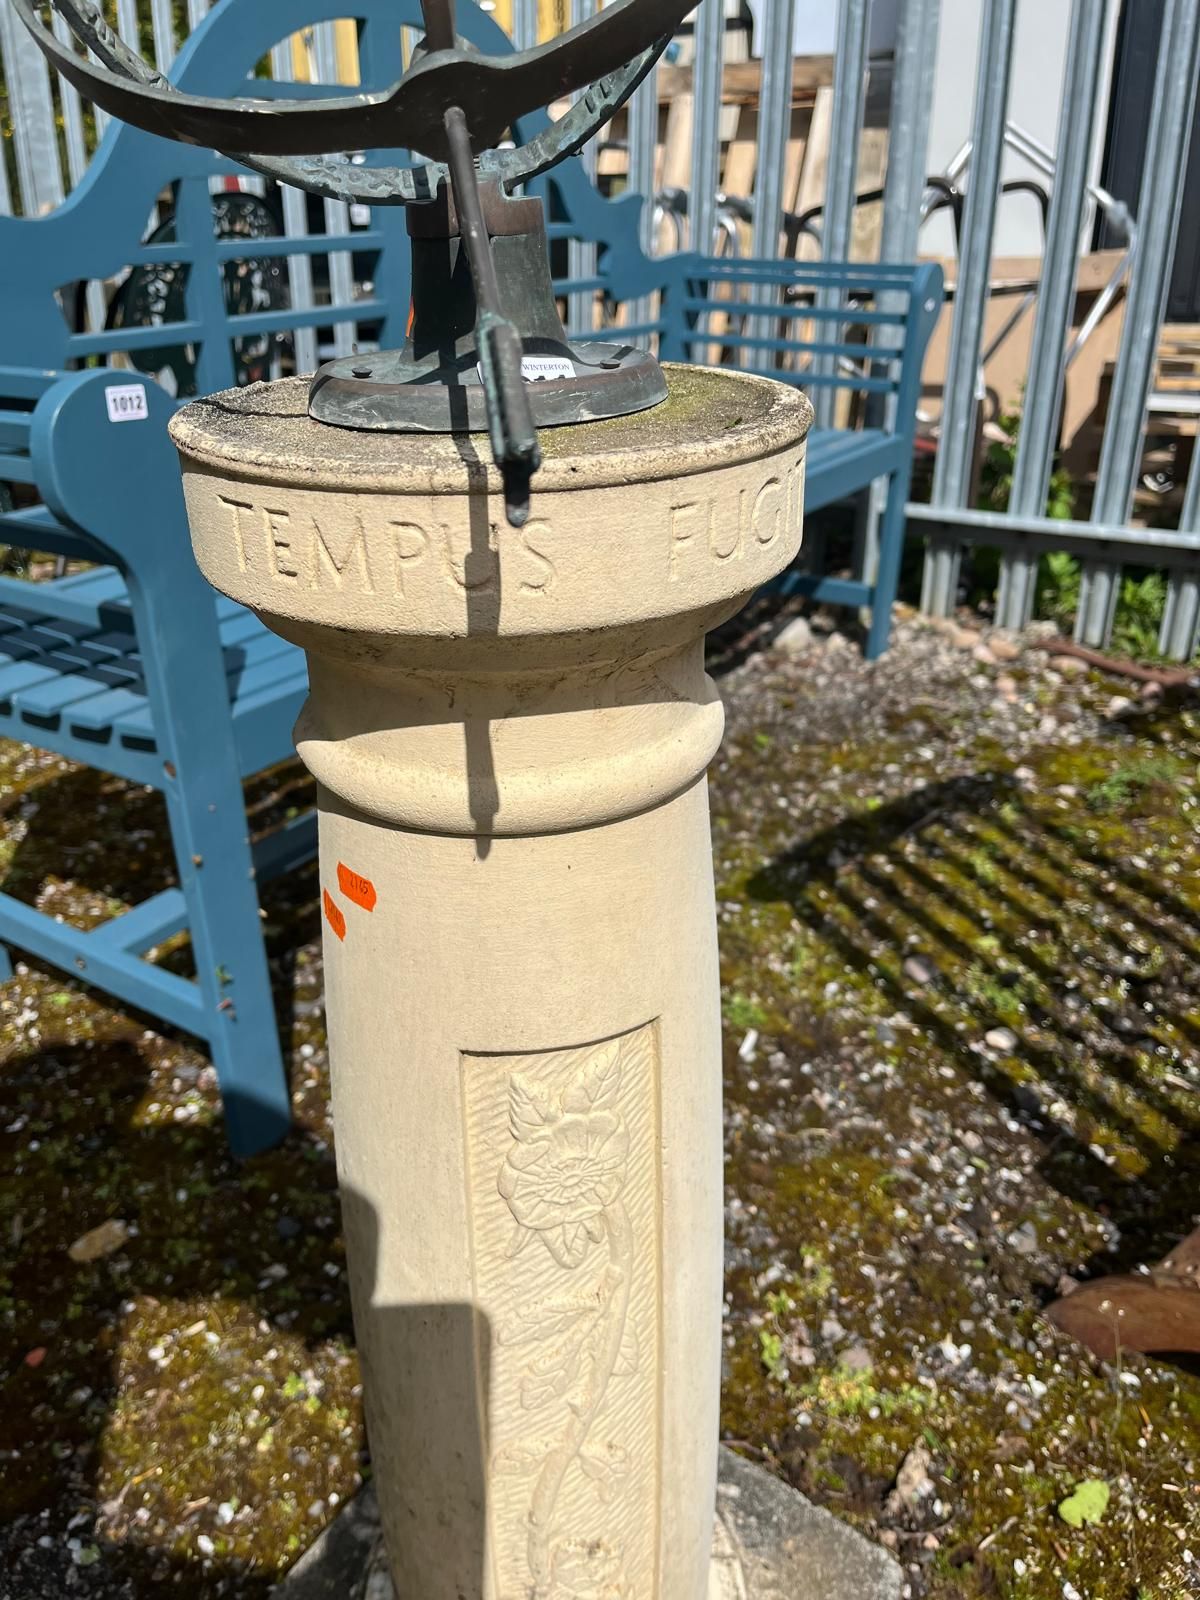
(815, 30)
(1035, 89)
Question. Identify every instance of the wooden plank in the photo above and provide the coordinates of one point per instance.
(741, 158)
(743, 80)
(674, 166)
(806, 184)
(867, 222)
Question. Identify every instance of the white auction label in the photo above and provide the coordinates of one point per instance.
(534, 369)
(537, 369)
(126, 402)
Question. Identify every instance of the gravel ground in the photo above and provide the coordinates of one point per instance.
(957, 894)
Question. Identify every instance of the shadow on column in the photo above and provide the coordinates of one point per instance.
(426, 1378)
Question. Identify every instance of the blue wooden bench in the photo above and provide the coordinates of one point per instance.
(134, 666)
(872, 325)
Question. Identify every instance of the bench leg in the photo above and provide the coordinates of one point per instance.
(6, 967)
(123, 485)
(887, 572)
(231, 962)
(202, 786)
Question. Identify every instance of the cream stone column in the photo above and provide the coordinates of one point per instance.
(510, 730)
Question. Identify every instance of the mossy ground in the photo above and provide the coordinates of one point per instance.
(908, 861)
(963, 928)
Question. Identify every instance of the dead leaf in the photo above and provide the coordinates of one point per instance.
(1184, 1260)
(1131, 1313)
(101, 1241)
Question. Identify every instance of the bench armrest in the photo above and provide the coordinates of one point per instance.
(110, 472)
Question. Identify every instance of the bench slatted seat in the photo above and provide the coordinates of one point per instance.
(133, 666)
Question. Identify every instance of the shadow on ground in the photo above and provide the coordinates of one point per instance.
(1078, 962)
(180, 1413)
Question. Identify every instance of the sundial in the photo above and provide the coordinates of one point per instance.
(486, 346)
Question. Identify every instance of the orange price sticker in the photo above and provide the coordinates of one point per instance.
(333, 914)
(357, 888)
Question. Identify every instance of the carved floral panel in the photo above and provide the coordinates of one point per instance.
(564, 1202)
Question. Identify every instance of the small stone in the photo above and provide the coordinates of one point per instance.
(982, 653)
(1024, 1240)
(795, 637)
(99, 1242)
(1151, 691)
(965, 638)
(205, 1545)
(1003, 649)
(1118, 705)
(1000, 1039)
(918, 969)
(1069, 666)
(287, 1227)
(857, 1359)
(836, 642)
(1006, 685)
(913, 1483)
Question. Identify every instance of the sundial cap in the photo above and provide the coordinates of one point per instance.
(486, 345)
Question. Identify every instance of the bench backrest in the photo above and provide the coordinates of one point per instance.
(101, 229)
(829, 326)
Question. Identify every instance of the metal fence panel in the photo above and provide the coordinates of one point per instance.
(1158, 224)
(774, 116)
(39, 177)
(295, 226)
(706, 130)
(956, 448)
(581, 254)
(337, 212)
(849, 90)
(1056, 302)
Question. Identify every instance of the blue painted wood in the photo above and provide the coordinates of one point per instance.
(134, 668)
(98, 475)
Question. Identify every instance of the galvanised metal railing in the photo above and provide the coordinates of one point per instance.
(1023, 532)
(49, 163)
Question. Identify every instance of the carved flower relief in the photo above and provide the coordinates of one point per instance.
(566, 1164)
(587, 1568)
(562, 1180)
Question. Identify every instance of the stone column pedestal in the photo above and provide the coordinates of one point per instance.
(510, 730)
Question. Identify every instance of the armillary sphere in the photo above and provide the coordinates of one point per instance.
(486, 345)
